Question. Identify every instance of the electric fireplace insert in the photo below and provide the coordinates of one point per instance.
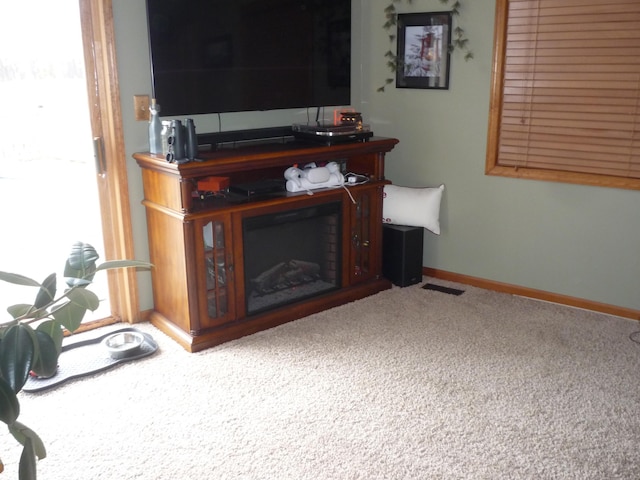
(291, 255)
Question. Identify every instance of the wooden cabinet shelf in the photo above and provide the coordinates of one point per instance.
(196, 243)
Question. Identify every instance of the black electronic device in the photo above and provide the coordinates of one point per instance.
(244, 137)
(215, 56)
(259, 188)
(402, 254)
(331, 134)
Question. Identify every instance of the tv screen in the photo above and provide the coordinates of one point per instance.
(216, 56)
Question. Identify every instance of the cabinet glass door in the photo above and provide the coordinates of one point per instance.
(360, 237)
(217, 256)
(364, 239)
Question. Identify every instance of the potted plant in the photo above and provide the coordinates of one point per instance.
(31, 342)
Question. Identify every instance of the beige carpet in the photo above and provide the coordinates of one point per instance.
(408, 384)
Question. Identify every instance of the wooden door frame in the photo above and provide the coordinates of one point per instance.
(106, 123)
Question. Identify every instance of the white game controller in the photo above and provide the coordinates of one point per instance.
(301, 180)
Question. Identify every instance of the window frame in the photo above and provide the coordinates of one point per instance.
(495, 116)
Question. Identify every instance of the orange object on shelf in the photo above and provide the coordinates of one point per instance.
(213, 184)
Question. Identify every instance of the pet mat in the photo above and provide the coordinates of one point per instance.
(443, 289)
(87, 356)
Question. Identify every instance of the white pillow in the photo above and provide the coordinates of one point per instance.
(414, 207)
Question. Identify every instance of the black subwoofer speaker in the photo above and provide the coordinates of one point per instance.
(402, 254)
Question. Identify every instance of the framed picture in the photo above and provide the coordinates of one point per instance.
(423, 50)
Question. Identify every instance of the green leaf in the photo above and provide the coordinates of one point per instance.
(9, 405)
(47, 292)
(22, 434)
(111, 264)
(20, 310)
(81, 262)
(27, 468)
(71, 313)
(55, 332)
(18, 279)
(46, 363)
(84, 298)
(17, 354)
(83, 256)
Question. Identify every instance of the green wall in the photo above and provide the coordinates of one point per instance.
(572, 240)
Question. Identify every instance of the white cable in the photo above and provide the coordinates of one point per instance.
(359, 179)
(350, 196)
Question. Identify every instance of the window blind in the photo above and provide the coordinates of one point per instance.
(570, 99)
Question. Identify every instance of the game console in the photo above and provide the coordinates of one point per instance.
(313, 178)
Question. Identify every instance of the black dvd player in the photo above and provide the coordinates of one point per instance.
(261, 187)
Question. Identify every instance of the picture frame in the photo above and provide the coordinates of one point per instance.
(423, 54)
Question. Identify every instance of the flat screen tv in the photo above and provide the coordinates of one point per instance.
(216, 56)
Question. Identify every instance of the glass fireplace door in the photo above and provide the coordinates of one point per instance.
(291, 255)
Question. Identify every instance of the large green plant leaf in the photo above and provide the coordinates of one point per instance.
(47, 292)
(18, 279)
(17, 355)
(27, 468)
(20, 310)
(71, 313)
(46, 362)
(9, 405)
(22, 434)
(110, 264)
(54, 330)
(84, 298)
(81, 262)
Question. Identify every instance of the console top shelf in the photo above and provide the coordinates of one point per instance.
(175, 185)
(263, 156)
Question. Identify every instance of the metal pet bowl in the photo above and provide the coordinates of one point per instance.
(123, 344)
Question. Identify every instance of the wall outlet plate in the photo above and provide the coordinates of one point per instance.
(141, 107)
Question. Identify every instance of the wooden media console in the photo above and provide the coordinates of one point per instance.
(202, 277)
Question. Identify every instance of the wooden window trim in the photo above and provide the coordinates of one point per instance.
(106, 124)
(495, 112)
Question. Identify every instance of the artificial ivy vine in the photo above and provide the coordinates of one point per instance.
(459, 41)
